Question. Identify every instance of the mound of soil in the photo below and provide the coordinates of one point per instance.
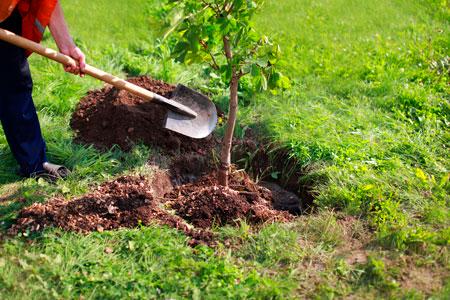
(110, 117)
(205, 203)
(132, 201)
(213, 204)
(124, 202)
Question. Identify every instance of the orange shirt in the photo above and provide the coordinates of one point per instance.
(36, 15)
(6, 8)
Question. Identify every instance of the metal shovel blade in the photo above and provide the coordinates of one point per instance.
(198, 127)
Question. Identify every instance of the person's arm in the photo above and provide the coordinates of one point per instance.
(64, 41)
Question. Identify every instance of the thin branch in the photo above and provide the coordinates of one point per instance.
(242, 74)
(215, 65)
(206, 4)
(218, 9)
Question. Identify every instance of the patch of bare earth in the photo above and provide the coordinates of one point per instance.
(128, 202)
(422, 279)
(355, 241)
(357, 247)
(416, 274)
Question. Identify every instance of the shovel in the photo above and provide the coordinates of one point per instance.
(189, 112)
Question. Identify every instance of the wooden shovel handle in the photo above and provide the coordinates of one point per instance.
(119, 83)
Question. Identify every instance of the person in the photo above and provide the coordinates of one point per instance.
(18, 116)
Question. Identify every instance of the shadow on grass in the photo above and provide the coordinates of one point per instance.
(269, 161)
(8, 169)
(11, 205)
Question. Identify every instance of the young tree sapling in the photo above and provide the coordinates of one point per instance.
(221, 34)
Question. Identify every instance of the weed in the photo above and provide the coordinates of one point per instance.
(374, 273)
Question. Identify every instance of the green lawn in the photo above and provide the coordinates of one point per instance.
(367, 112)
(366, 119)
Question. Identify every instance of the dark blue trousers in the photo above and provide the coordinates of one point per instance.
(17, 111)
(21, 126)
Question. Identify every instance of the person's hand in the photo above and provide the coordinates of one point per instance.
(79, 57)
(65, 43)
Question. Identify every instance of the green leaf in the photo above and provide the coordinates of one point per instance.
(274, 175)
(284, 82)
(263, 82)
(255, 70)
(214, 75)
(131, 245)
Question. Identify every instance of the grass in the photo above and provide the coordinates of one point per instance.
(149, 262)
(368, 112)
(366, 119)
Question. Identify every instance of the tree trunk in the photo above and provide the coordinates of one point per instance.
(225, 154)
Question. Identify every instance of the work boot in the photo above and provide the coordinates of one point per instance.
(58, 171)
(51, 172)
